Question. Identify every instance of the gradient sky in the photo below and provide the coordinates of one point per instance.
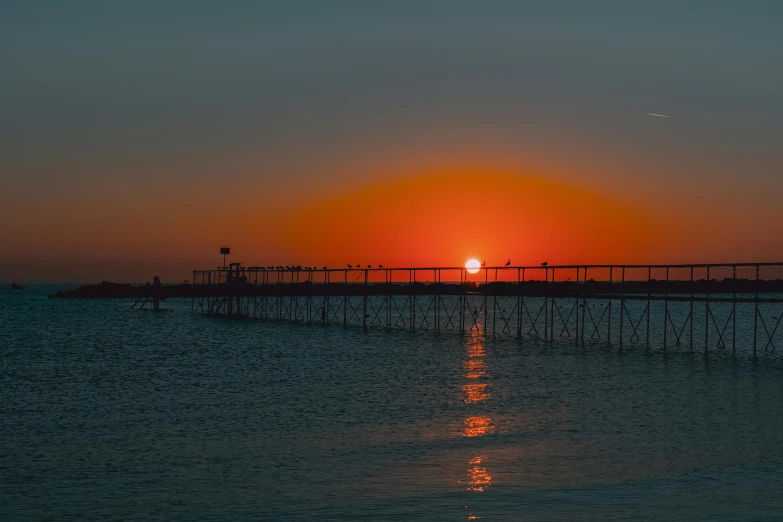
(137, 137)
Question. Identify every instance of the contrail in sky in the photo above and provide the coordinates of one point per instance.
(659, 115)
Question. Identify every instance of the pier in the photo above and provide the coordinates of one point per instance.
(707, 307)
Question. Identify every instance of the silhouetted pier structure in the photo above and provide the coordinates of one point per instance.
(707, 307)
(152, 293)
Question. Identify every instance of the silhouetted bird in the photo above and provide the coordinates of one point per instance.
(350, 266)
(508, 262)
(380, 266)
(369, 266)
(358, 266)
(483, 263)
(324, 268)
(544, 263)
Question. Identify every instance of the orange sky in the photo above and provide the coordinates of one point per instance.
(447, 217)
(363, 135)
(420, 217)
(423, 216)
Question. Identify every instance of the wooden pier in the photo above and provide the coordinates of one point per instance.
(709, 307)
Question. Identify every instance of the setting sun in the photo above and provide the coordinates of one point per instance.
(473, 266)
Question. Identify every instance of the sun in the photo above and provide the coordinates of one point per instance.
(473, 266)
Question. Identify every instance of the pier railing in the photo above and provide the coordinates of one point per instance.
(764, 272)
(717, 306)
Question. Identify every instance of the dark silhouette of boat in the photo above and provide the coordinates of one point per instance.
(15, 286)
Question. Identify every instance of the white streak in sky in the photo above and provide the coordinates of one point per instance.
(659, 115)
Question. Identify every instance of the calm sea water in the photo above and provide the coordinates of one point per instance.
(108, 413)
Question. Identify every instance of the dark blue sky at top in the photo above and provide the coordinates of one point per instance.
(94, 90)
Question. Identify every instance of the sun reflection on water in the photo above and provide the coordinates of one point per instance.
(477, 426)
(475, 392)
(474, 368)
(479, 478)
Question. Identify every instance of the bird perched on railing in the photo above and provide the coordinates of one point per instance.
(358, 266)
(380, 266)
(508, 262)
(324, 268)
(369, 266)
(483, 263)
(544, 263)
(350, 266)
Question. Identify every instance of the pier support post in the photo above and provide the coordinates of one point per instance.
(552, 311)
(649, 273)
(622, 306)
(364, 315)
(707, 314)
(756, 314)
(546, 310)
(609, 319)
(691, 314)
(665, 309)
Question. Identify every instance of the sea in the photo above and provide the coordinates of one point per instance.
(109, 413)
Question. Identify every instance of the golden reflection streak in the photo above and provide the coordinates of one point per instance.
(479, 478)
(475, 393)
(477, 426)
(475, 368)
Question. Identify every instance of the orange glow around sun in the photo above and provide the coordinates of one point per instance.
(473, 266)
(436, 218)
